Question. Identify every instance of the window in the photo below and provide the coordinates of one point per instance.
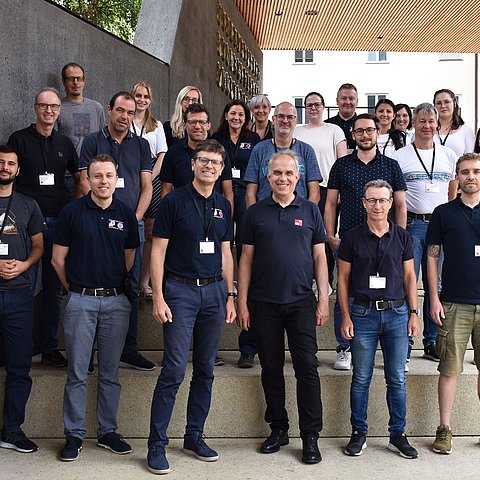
(450, 56)
(300, 110)
(303, 56)
(377, 56)
(372, 100)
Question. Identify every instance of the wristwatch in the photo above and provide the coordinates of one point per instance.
(232, 294)
(416, 311)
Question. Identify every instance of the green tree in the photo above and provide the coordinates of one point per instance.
(117, 16)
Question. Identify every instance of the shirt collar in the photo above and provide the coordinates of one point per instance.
(107, 135)
(92, 204)
(295, 203)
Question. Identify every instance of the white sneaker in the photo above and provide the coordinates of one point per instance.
(407, 368)
(343, 361)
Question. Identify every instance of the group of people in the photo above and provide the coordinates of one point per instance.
(124, 206)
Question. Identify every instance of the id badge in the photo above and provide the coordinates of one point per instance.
(47, 179)
(3, 248)
(207, 247)
(477, 250)
(120, 183)
(376, 282)
(235, 173)
(432, 187)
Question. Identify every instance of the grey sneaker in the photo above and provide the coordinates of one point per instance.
(343, 360)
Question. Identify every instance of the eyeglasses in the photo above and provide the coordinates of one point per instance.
(313, 105)
(374, 201)
(282, 117)
(369, 131)
(192, 123)
(187, 99)
(72, 79)
(46, 106)
(204, 161)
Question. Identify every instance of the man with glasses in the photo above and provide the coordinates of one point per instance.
(192, 282)
(347, 179)
(44, 157)
(375, 269)
(258, 187)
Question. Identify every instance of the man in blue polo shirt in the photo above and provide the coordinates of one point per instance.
(455, 228)
(375, 268)
(134, 188)
(283, 250)
(192, 282)
(347, 178)
(95, 241)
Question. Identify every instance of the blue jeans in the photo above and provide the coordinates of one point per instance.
(418, 234)
(197, 312)
(16, 321)
(390, 327)
(107, 318)
(134, 275)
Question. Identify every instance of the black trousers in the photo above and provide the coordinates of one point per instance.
(269, 321)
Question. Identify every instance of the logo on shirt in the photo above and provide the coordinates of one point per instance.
(115, 224)
(217, 213)
(10, 227)
(298, 222)
(245, 146)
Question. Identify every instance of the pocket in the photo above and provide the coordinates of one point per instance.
(401, 310)
(358, 310)
(447, 306)
(441, 342)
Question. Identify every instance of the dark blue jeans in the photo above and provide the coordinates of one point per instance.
(16, 321)
(197, 312)
(390, 327)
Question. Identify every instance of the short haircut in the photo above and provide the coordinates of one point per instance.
(366, 116)
(195, 108)
(259, 99)
(101, 157)
(347, 86)
(71, 65)
(465, 158)
(8, 149)
(124, 94)
(210, 145)
(313, 93)
(424, 108)
(288, 153)
(379, 183)
(48, 89)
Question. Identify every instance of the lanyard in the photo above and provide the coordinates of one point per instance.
(233, 151)
(275, 145)
(444, 141)
(206, 227)
(430, 175)
(7, 211)
(135, 129)
(374, 257)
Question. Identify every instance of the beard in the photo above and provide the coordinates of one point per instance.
(365, 148)
(7, 181)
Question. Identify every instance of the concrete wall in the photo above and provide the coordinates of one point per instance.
(37, 38)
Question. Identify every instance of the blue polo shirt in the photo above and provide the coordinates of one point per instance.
(364, 250)
(258, 166)
(346, 126)
(97, 239)
(283, 238)
(177, 167)
(133, 156)
(178, 220)
(349, 175)
(456, 227)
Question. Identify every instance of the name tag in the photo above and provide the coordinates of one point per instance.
(477, 250)
(432, 187)
(376, 282)
(47, 179)
(120, 183)
(3, 248)
(207, 247)
(235, 173)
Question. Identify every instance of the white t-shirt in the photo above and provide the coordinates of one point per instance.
(155, 138)
(462, 141)
(423, 194)
(324, 140)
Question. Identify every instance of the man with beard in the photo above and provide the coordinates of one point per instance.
(348, 177)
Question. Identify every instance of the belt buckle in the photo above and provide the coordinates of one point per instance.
(377, 305)
(198, 280)
(95, 290)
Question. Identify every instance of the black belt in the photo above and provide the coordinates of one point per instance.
(420, 216)
(199, 282)
(96, 292)
(380, 304)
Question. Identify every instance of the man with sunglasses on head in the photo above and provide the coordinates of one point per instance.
(45, 156)
(347, 178)
(193, 295)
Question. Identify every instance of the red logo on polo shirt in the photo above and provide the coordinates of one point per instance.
(298, 222)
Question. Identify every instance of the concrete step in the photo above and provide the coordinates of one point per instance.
(238, 403)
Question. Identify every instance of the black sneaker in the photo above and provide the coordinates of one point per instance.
(246, 360)
(71, 450)
(195, 445)
(219, 361)
(17, 441)
(54, 358)
(399, 443)
(114, 442)
(430, 352)
(91, 366)
(137, 361)
(356, 445)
